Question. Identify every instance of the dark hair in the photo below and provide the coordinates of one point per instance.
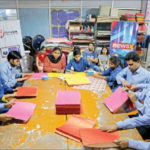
(76, 52)
(107, 50)
(56, 48)
(132, 56)
(76, 48)
(92, 43)
(42, 48)
(116, 61)
(13, 55)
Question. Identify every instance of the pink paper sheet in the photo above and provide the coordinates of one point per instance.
(22, 110)
(39, 75)
(116, 100)
(68, 98)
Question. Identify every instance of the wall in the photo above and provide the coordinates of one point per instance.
(34, 21)
(34, 14)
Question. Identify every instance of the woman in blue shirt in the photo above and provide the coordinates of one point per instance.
(109, 75)
(78, 63)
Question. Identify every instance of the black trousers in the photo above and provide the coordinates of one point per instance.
(143, 130)
(18, 84)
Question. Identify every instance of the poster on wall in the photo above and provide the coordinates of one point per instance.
(59, 20)
(10, 38)
(147, 17)
(123, 37)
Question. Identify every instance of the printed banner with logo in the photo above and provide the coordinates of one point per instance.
(123, 37)
(10, 38)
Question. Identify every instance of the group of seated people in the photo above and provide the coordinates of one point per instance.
(133, 78)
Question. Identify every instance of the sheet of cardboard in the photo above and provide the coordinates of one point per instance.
(76, 79)
(22, 110)
(98, 138)
(26, 91)
(116, 100)
(73, 125)
(54, 75)
(39, 75)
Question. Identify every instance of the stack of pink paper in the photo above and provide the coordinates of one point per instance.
(22, 110)
(39, 75)
(116, 100)
(68, 102)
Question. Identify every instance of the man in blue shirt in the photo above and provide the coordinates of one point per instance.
(140, 121)
(139, 145)
(11, 77)
(90, 55)
(78, 63)
(133, 76)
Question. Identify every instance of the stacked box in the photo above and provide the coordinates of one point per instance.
(68, 102)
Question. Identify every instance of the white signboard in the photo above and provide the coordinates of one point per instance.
(10, 38)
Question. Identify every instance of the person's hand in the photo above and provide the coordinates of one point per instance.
(123, 143)
(4, 117)
(21, 79)
(133, 88)
(15, 90)
(126, 84)
(132, 97)
(90, 60)
(56, 70)
(40, 68)
(125, 89)
(70, 71)
(9, 104)
(109, 128)
(10, 95)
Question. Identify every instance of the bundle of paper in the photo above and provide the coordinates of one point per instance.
(140, 17)
(97, 85)
(68, 102)
(26, 91)
(39, 75)
(71, 129)
(116, 100)
(21, 110)
(76, 79)
(98, 138)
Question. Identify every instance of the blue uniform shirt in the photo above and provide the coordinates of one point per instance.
(80, 66)
(141, 77)
(111, 76)
(143, 117)
(139, 145)
(9, 74)
(4, 89)
(87, 54)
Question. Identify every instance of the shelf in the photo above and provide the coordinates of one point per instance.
(141, 32)
(78, 32)
(82, 41)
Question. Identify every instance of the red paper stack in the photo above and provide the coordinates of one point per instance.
(116, 100)
(71, 128)
(68, 102)
(98, 138)
(26, 92)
